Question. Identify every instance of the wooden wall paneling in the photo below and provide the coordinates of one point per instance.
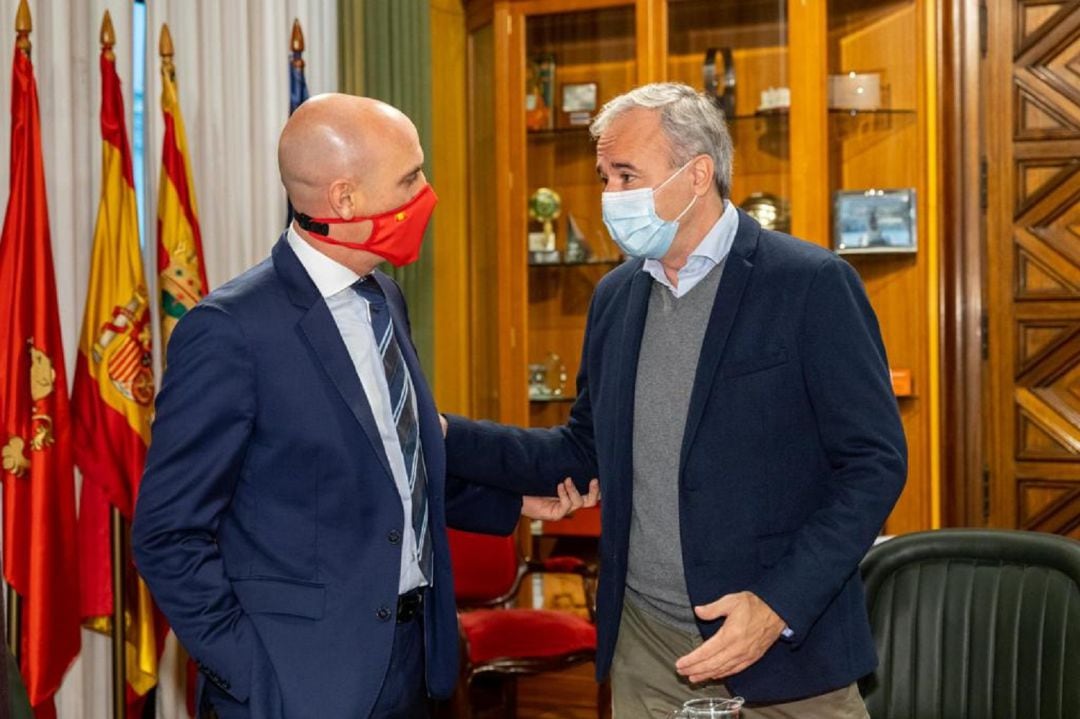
(932, 209)
(962, 264)
(651, 32)
(478, 13)
(1033, 231)
(483, 181)
(451, 226)
(510, 92)
(807, 71)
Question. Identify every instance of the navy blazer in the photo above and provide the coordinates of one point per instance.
(268, 523)
(792, 458)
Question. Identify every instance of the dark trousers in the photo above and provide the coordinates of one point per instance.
(403, 694)
(404, 690)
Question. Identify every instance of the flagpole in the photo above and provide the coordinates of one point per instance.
(23, 26)
(118, 648)
(13, 622)
(108, 39)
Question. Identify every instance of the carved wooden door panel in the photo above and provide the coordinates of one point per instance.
(1031, 122)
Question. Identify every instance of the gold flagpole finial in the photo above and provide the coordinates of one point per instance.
(165, 46)
(297, 43)
(108, 36)
(165, 49)
(23, 26)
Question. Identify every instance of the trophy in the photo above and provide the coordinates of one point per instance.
(545, 206)
(726, 100)
(771, 212)
(547, 379)
(577, 250)
(555, 378)
(538, 388)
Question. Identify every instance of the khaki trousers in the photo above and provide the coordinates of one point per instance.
(645, 685)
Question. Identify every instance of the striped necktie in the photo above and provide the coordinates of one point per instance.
(408, 428)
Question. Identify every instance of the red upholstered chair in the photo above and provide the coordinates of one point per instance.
(498, 638)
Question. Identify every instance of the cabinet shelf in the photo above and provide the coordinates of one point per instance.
(553, 399)
(558, 133)
(585, 263)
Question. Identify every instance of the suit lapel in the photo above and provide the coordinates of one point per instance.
(737, 269)
(637, 309)
(323, 336)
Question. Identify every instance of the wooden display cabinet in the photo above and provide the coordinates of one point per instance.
(800, 153)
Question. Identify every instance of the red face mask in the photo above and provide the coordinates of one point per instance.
(396, 235)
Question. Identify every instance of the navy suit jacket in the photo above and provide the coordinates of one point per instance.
(268, 523)
(792, 459)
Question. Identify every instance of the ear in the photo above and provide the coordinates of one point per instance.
(344, 198)
(703, 170)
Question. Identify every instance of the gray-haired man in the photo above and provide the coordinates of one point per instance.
(734, 400)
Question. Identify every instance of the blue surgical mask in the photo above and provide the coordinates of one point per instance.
(632, 221)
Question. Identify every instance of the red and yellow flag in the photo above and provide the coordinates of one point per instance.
(114, 385)
(181, 270)
(35, 439)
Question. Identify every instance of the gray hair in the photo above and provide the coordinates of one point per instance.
(694, 125)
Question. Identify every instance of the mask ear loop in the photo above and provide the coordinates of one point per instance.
(687, 209)
(306, 222)
(674, 175)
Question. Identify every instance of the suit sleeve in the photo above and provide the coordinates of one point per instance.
(846, 375)
(475, 508)
(528, 461)
(204, 416)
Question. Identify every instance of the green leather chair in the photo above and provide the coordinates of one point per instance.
(974, 624)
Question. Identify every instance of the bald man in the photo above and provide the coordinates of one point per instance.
(291, 521)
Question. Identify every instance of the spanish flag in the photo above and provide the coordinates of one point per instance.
(114, 385)
(35, 434)
(181, 270)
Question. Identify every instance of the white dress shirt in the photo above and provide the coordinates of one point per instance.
(353, 319)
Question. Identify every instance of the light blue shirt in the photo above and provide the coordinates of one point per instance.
(710, 252)
(353, 319)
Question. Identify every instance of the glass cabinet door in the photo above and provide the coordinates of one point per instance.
(737, 51)
(874, 147)
(574, 63)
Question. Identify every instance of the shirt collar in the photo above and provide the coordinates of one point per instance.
(714, 246)
(329, 276)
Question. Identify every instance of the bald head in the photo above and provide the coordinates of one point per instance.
(337, 142)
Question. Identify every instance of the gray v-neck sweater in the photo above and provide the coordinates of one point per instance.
(667, 364)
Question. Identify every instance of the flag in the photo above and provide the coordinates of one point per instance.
(35, 440)
(114, 387)
(297, 84)
(181, 269)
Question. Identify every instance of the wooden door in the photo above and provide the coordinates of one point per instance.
(1031, 118)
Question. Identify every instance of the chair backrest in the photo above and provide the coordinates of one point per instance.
(974, 624)
(486, 568)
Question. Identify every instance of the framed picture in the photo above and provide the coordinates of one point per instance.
(579, 102)
(874, 221)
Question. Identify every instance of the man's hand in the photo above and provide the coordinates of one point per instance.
(750, 628)
(569, 500)
(445, 426)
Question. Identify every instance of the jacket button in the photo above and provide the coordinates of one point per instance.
(384, 614)
(394, 536)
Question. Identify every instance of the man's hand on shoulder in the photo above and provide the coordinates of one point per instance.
(568, 501)
(750, 628)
